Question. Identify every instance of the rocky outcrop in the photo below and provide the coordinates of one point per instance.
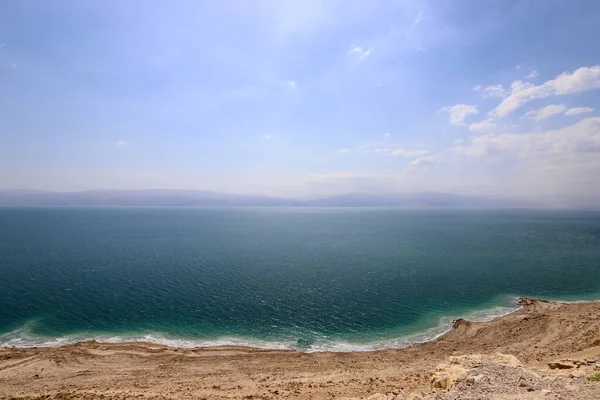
(458, 323)
(528, 301)
(445, 376)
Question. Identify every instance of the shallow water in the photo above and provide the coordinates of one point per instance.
(305, 278)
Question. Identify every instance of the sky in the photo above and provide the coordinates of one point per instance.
(302, 98)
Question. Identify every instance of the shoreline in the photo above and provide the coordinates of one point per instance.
(553, 346)
(443, 326)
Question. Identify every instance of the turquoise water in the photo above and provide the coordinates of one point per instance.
(304, 278)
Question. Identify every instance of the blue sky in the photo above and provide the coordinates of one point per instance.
(302, 98)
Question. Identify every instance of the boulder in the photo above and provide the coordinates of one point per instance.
(442, 382)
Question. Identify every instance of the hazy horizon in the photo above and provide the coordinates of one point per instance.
(303, 99)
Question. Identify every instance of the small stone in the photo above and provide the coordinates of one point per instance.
(474, 379)
(559, 365)
(378, 396)
(523, 383)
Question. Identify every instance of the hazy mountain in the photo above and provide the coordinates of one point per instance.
(136, 198)
(420, 200)
(208, 198)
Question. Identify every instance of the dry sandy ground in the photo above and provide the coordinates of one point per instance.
(507, 358)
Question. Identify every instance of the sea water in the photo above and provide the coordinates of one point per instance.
(310, 279)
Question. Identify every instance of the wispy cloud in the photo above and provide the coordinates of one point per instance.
(418, 18)
(482, 126)
(459, 112)
(579, 110)
(268, 137)
(383, 148)
(424, 161)
(408, 153)
(545, 112)
(533, 74)
(570, 145)
(121, 143)
(491, 91)
(387, 134)
(289, 84)
(582, 79)
(360, 53)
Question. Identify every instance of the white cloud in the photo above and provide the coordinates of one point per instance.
(491, 91)
(343, 150)
(421, 49)
(359, 52)
(582, 79)
(545, 112)
(579, 110)
(532, 74)
(482, 126)
(494, 91)
(408, 153)
(558, 166)
(418, 18)
(459, 112)
(289, 84)
(121, 143)
(387, 134)
(424, 161)
(268, 137)
(572, 145)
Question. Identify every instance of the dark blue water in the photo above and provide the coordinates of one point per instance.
(312, 279)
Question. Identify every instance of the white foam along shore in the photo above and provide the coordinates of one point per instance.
(23, 337)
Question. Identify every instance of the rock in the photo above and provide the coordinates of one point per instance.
(475, 379)
(379, 396)
(446, 375)
(506, 359)
(460, 322)
(523, 383)
(527, 301)
(559, 365)
(442, 382)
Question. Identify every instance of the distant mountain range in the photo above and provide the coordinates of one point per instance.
(162, 197)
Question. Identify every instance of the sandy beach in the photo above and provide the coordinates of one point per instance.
(544, 350)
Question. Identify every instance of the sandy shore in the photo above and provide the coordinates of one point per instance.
(545, 350)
